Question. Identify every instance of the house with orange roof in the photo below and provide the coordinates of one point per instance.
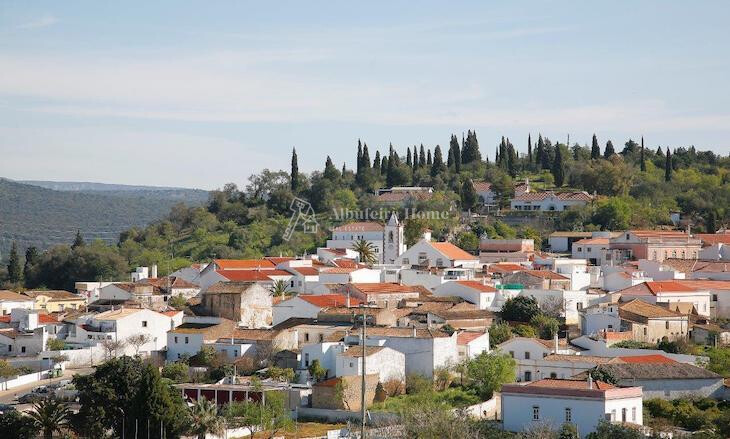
(651, 323)
(719, 294)
(427, 253)
(592, 249)
(10, 300)
(655, 245)
(657, 292)
(473, 291)
(344, 275)
(472, 343)
(309, 306)
(382, 294)
(583, 403)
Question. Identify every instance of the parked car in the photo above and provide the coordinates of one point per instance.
(31, 397)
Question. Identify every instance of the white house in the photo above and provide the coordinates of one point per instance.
(424, 349)
(562, 242)
(549, 200)
(669, 291)
(616, 280)
(432, 277)
(592, 249)
(437, 254)
(344, 275)
(389, 364)
(486, 194)
(719, 295)
(188, 338)
(600, 317)
(567, 302)
(308, 306)
(559, 366)
(327, 255)
(325, 352)
(10, 300)
(476, 292)
(524, 348)
(583, 403)
(472, 343)
(26, 334)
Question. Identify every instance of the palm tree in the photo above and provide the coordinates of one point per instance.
(366, 251)
(50, 415)
(205, 419)
(278, 288)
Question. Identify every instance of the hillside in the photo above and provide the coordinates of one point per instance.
(33, 215)
(185, 195)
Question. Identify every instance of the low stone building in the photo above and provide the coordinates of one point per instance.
(538, 279)
(344, 393)
(651, 323)
(245, 302)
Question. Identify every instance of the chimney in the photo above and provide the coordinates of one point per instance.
(590, 381)
(556, 342)
(414, 331)
(689, 230)
(153, 271)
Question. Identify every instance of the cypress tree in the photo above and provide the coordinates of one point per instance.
(659, 151)
(416, 163)
(429, 160)
(496, 155)
(359, 157)
(545, 159)
(529, 148)
(422, 157)
(78, 240)
(643, 163)
(558, 170)
(470, 152)
(438, 162)
(409, 159)
(450, 159)
(15, 273)
(609, 151)
(384, 166)
(392, 164)
(710, 225)
(294, 175)
(457, 153)
(343, 168)
(468, 195)
(330, 172)
(503, 154)
(365, 157)
(668, 166)
(376, 162)
(540, 151)
(31, 257)
(595, 149)
(511, 160)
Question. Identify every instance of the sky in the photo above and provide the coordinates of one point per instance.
(198, 94)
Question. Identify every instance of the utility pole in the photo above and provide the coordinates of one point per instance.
(362, 385)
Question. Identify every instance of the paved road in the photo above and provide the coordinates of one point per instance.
(10, 396)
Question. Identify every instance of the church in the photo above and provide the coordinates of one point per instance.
(388, 240)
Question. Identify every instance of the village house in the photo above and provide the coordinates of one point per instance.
(248, 303)
(24, 335)
(305, 278)
(476, 292)
(10, 300)
(651, 323)
(400, 195)
(56, 300)
(424, 349)
(387, 241)
(433, 277)
(710, 334)
(486, 194)
(559, 366)
(655, 245)
(472, 319)
(719, 295)
(344, 275)
(470, 344)
(581, 402)
(562, 242)
(668, 380)
(505, 250)
(349, 315)
(592, 249)
(325, 352)
(309, 306)
(328, 255)
(426, 253)
(344, 393)
(172, 286)
(669, 291)
(564, 303)
(618, 279)
(525, 348)
(310, 331)
(189, 338)
(384, 295)
(252, 348)
(549, 201)
(266, 278)
(387, 363)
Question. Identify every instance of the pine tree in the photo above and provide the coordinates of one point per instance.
(330, 172)
(15, 273)
(429, 160)
(558, 169)
(422, 157)
(643, 163)
(376, 162)
(438, 162)
(359, 158)
(659, 151)
(78, 240)
(529, 148)
(31, 257)
(470, 151)
(409, 159)
(595, 149)
(609, 151)
(294, 176)
(344, 169)
(365, 157)
(468, 195)
(668, 166)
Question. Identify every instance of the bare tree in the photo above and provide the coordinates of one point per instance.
(112, 347)
(138, 340)
(552, 306)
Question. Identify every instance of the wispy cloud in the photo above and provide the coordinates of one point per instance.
(44, 21)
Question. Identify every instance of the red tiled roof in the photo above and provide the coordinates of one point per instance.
(570, 384)
(466, 337)
(386, 288)
(362, 226)
(546, 274)
(562, 196)
(707, 284)
(306, 271)
(339, 270)
(653, 288)
(656, 358)
(276, 260)
(477, 286)
(451, 251)
(592, 241)
(251, 275)
(714, 238)
(505, 268)
(243, 264)
(325, 300)
(482, 186)
(42, 318)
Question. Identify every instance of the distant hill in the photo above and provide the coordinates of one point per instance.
(188, 196)
(32, 214)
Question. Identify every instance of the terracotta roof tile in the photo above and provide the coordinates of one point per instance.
(325, 300)
(251, 275)
(466, 337)
(476, 285)
(656, 358)
(243, 264)
(451, 251)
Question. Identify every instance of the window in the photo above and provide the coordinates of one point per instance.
(291, 284)
(22, 349)
(588, 249)
(633, 414)
(144, 323)
(568, 414)
(439, 262)
(645, 333)
(512, 354)
(623, 415)
(321, 338)
(306, 336)
(580, 249)
(306, 360)
(187, 340)
(528, 375)
(553, 375)
(666, 324)
(714, 297)
(406, 261)
(527, 355)
(390, 236)
(613, 415)
(10, 348)
(89, 337)
(352, 364)
(175, 339)
(535, 413)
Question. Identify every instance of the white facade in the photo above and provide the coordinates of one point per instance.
(473, 347)
(700, 299)
(603, 317)
(325, 352)
(7, 306)
(618, 280)
(470, 292)
(387, 363)
(294, 307)
(569, 302)
(425, 253)
(431, 279)
(522, 410)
